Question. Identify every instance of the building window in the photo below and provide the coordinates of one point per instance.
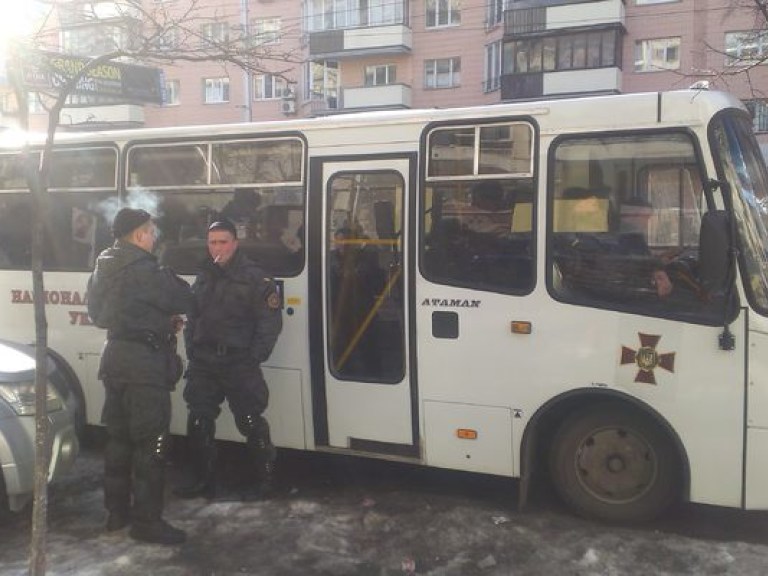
(215, 90)
(442, 73)
(269, 87)
(266, 31)
(329, 15)
(380, 75)
(172, 91)
(492, 78)
(323, 82)
(759, 110)
(566, 52)
(656, 55)
(382, 12)
(495, 13)
(169, 39)
(95, 40)
(741, 47)
(443, 13)
(214, 33)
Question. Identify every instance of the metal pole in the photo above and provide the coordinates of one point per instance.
(247, 74)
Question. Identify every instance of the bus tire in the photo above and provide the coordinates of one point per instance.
(5, 508)
(614, 464)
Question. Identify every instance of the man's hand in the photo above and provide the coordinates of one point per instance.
(662, 283)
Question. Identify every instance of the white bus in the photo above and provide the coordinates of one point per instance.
(576, 288)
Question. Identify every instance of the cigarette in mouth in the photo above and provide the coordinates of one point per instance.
(216, 260)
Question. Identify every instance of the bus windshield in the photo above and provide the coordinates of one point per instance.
(747, 177)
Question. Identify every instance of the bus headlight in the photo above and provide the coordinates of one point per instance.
(21, 397)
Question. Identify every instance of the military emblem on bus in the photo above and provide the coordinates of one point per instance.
(648, 358)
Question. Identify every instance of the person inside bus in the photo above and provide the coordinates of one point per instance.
(137, 301)
(232, 327)
(593, 255)
(244, 211)
(356, 282)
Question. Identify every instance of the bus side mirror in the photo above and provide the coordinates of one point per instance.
(714, 250)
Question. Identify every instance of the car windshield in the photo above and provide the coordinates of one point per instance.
(746, 174)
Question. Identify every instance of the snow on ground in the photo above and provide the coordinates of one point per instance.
(343, 518)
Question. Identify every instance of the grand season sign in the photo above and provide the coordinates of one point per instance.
(108, 81)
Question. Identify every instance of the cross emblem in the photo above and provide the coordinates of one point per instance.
(648, 358)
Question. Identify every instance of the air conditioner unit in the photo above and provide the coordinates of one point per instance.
(288, 106)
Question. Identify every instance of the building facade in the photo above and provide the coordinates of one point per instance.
(321, 57)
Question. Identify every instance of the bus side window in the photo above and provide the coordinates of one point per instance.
(625, 222)
(478, 238)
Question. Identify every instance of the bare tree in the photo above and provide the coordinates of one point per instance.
(153, 34)
(739, 71)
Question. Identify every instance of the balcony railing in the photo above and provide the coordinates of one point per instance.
(355, 41)
(377, 97)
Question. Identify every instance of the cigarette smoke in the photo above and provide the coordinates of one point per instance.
(137, 198)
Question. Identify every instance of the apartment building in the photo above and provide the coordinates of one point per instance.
(321, 57)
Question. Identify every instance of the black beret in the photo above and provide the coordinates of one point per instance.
(224, 224)
(127, 220)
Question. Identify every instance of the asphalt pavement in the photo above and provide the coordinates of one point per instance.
(345, 516)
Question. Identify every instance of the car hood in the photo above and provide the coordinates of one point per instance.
(17, 362)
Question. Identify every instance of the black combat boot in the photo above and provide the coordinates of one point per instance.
(201, 449)
(148, 496)
(260, 471)
(117, 485)
(158, 531)
(117, 520)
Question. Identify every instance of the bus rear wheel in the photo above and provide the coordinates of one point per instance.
(614, 464)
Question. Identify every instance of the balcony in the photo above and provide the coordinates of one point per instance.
(536, 17)
(377, 97)
(349, 42)
(80, 13)
(92, 118)
(560, 83)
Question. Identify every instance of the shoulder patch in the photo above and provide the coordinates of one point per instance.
(273, 300)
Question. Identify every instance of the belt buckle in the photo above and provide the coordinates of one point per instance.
(221, 350)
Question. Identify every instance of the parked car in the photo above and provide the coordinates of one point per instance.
(17, 422)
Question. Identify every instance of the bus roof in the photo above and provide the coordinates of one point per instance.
(682, 107)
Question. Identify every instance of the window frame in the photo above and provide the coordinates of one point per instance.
(372, 72)
(219, 84)
(264, 35)
(278, 87)
(644, 54)
(213, 33)
(493, 66)
(432, 71)
(758, 37)
(758, 109)
(441, 14)
(172, 95)
(659, 307)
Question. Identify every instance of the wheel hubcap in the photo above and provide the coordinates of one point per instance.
(616, 465)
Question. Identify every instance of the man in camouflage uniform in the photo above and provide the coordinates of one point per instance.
(231, 329)
(136, 300)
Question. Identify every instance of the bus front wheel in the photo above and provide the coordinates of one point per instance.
(614, 464)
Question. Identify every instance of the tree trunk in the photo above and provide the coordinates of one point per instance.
(37, 564)
(37, 181)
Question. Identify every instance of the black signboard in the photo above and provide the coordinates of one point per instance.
(41, 71)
